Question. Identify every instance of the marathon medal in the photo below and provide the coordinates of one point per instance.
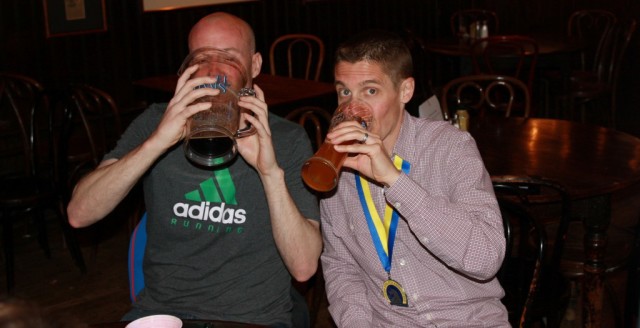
(383, 233)
(394, 293)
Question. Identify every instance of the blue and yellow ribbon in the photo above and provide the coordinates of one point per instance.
(382, 232)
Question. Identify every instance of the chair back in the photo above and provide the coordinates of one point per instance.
(91, 125)
(315, 120)
(529, 206)
(460, 21)
(422, 71)
(304, 55)
(26, 146)
(589, 27)
(486, 94)
(513, 55)
(612, 51)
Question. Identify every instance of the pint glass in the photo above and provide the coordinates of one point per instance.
(322, 170)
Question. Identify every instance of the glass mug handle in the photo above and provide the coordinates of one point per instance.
(249, 129)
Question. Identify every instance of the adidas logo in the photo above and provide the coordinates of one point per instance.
(218, 190)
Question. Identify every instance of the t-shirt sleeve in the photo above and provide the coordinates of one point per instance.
(292, 152)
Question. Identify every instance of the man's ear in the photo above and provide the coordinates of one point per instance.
(406, 89)
(256, 64)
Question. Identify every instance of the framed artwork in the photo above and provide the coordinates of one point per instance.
(159, 5)
(69, 17)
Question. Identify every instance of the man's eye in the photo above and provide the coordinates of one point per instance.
(344, 92)
(371, 91)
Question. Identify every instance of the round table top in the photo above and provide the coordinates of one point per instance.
(548, 44)
(589, 160)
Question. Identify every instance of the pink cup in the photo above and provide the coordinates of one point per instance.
(156, 321)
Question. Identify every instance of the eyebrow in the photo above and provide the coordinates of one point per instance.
(365, 82)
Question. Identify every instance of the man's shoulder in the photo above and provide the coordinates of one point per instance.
(425, 127)
(281, 127)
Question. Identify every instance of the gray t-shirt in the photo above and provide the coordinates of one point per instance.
(210, 250)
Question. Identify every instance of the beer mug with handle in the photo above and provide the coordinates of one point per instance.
(211, 134)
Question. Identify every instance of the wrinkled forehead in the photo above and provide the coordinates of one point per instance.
(217, 63)
(223, 33)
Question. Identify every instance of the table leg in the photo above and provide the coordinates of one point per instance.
(595, 241)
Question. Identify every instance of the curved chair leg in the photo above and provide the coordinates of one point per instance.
(7, 236)
(41, 225)
(70, 238)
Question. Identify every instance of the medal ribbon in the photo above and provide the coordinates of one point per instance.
(382, 232)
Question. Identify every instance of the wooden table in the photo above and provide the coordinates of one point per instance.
(548, 44)
(555, 52)
(592, 162)
(279, 90)
(187, 324)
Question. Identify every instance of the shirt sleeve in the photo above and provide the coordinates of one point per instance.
(346, 292)
(455, 216)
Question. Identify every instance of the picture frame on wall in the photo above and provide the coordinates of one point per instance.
(162, 5)
(72, 17)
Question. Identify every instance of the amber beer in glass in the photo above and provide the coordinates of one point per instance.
(322, 170)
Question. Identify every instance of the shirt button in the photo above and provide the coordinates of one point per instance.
(415, 296)
(428, 316)
(396, 205)
(351, 227)
(402, 262)
(425, 240)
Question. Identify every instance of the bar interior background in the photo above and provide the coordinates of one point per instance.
(140, 44)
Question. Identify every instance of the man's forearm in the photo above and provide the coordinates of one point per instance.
(298, 239)
(99, 192)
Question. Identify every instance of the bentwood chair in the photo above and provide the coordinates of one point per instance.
(548, 205)
(486, 95)
(29, 186)
(460, 21)
(91, 125)
(304, 55)
(589, 27)
(512, 55)
(315, 120)
(523, 263)
(586, 87)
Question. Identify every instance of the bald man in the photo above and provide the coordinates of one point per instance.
(262, 228)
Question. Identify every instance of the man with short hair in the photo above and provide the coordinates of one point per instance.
(413, 235)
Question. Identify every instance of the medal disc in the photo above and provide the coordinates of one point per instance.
(394, 293)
